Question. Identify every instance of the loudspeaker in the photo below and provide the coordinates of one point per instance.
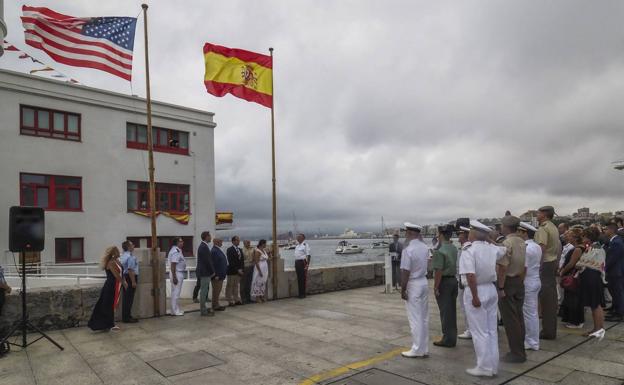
(26, 229)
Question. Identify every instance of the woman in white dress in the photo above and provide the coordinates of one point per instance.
(260, 272)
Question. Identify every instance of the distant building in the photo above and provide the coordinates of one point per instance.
(80, 153)
(348, 233)
(3, 27)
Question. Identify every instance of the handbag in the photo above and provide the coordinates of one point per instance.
(570, 282)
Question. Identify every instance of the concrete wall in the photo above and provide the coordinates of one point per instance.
(325, 279)
(70, 306)
(103, 161)
(62, 307)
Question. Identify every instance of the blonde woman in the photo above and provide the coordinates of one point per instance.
(103, 316)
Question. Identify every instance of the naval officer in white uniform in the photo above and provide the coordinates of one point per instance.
(532, 286)
(477, 268)
(415, 290)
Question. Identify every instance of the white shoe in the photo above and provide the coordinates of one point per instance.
(412, 354)
(598, 334)
(573, 326)
(465, 335)
(479, 372)
(180, 313)
(529, 347)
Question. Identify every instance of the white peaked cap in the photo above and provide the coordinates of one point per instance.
(528, 226)
(475, 224)
(411, 226)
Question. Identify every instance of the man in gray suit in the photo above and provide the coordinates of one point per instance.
(396, 248)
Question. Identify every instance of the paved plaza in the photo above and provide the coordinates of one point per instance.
(349, 337)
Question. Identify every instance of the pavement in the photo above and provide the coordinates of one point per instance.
(351, 337)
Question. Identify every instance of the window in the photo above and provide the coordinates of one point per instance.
(52, 192)
(68, 250)
(38, 121)
(169, 197)
(165, 140)
(165, 243)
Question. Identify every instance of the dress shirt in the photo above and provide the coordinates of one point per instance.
(302, 250)
(129, 262)
(533, 259)
(414, 259)
(480, 259)
(176, 256)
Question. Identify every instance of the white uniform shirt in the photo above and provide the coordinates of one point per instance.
(480, 259)
(459, 253)
(175, 255)
(566, 249)
(533, 259)
(302, 250)
(414, 259)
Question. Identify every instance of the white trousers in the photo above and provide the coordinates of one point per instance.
(460, 295)
(484, 326)
(175, 292)
(417, 306)
(532, 287)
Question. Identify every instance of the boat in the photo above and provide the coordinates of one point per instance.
(345, 247)
(380, 245)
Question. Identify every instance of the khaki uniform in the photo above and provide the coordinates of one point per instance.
(548, 236)
(511, 304)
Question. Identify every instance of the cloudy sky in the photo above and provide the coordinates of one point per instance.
(411, 110)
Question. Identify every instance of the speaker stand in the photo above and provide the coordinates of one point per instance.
(24, 323)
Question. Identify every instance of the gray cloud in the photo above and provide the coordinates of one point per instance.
(413, 110)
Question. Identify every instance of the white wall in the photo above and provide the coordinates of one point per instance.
(103, 162)
(3, 27)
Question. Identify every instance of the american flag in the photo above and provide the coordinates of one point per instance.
(103, 43)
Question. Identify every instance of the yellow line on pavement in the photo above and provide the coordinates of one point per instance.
(355, 365)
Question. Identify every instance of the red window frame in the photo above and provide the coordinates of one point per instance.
(162, 138)
(50, 132)
(163, 240)
(68, 259)
(173, 192)
(53, 188)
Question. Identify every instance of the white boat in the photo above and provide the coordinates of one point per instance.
(380, 245)
(345, 247)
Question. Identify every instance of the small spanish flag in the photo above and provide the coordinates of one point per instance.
(244, 74)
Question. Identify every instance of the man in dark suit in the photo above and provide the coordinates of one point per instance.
(204, 271)
(198, 283)
(219, 261)
(396, 248)
(614, 269)
(234, 272)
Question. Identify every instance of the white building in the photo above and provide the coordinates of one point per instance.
(3, 27)
(81, 153)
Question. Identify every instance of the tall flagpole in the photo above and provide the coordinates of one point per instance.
(152, 186)
(275, 248)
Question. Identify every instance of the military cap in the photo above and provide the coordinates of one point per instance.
(510, 221)
(412, 227)
(527, 226)
(475, 224)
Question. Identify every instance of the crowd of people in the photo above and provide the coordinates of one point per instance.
(244, 270)
(514, 270)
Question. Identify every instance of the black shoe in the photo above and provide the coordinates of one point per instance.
(513, 359)
(614, 318)
(220, 308)
(443, 345)
(238, 303)
(130, 321)
(301, 297)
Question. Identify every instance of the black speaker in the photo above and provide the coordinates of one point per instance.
(26, 229)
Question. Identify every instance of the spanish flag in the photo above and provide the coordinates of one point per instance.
(244, 74)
